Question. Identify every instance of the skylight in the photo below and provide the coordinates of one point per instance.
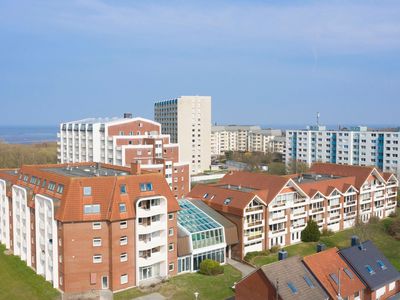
(292, 287)
(334, 278)
(309, 282)
(381, 264)
(205, 195)
(348, 273)
(370, 270)
(227, 201)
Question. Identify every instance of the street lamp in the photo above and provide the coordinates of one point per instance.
(196, 294)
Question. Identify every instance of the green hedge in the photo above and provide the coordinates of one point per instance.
(210, 267)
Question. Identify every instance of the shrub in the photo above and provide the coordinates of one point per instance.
(311, 233)
(250, 255)
(274, 249)
(394, 229)
(326, 232)
(210, 267)
(393, 214)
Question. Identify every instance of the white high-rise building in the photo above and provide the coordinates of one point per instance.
(187, 120)
(245, 138)
(354, 146)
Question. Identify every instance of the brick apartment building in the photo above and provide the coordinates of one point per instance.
(272, 210)
(121, 142)
(90, 226)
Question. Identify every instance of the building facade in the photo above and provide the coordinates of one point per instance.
(187, 120)
(245, 138)
(354, 146)
(87, 226)
(272, 210)
(121, 142)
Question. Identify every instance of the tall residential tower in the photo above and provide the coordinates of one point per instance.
(187, 120)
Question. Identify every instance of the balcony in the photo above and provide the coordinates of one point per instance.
(150, 243)
(297, 215)
(299, 201)
(276, 233)
(254, 223)
(254, 236)
(349, 203)
(333, 207)
(254, 209)
(278, 219)
(350, 215)
(334, 218)
(151, 227)
(317, 210)
(366, 210)
(151, 259)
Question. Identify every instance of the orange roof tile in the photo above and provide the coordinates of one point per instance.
(328, 262)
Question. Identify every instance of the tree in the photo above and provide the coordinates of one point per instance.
(210, 267)
(297, 167)
(394, 229)
(277, 168)
(311, 233)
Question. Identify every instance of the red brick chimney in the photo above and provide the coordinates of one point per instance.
(135, 169)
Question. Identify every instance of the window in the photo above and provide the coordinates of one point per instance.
(171, 267)
(123, 257)
(97, 259)
(292, 287)
(124, 279)
(87, 190)
(122, 188)
(91, 209)
(370, 270)
(171, 247)
(96, 225)
(392, 285)
(309, 282)
(171, 232)
(123, 240)
(96, 242)
(51, 186)
(381, 265)
(60, 188)
(122, 207)
(334, 278)
(123, 224)
(170, 216)
(145, 187)
(348, 273)
(44, 183)
(61, 280)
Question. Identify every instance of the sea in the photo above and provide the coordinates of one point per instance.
(28, 134)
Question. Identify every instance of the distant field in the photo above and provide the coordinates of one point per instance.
(15, 155)
(17, 281)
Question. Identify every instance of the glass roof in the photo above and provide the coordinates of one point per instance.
(193, 219)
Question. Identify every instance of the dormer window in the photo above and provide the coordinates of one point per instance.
(227, 201)
(145, 187)
(205, 195)
(122, 188)
(87, 190)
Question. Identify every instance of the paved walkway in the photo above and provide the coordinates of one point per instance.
(154, 296)
(244, 268)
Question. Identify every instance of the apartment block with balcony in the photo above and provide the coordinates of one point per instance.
(90, 226)
(273, 210)
(245, 138)
(351, 146)
(121, 141)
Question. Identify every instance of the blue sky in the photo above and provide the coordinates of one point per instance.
(263, 62)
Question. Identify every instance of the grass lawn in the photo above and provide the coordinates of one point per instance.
(183, 286)
(375, 232)
(17, 281)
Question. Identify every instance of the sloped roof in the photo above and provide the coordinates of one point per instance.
(359, 257)
(214, 196)
(105, 191)
(326, 187)
(328, 262)
(291, 270)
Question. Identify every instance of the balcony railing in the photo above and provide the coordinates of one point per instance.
(255, 208)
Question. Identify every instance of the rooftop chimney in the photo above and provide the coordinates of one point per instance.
(127, 115)
(135, 169)
(282, 254)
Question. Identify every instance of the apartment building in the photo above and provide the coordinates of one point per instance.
(245, 138)
(121, 141)
(187, 119)
(90, 226)
(354, 146)
(272, 210)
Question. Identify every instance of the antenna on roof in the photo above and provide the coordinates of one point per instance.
(277, 289)
(318, 115)
(339, 296)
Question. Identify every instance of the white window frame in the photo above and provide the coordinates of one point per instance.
(170, 216)
(169, 267)
(171, 231)
(97, 259)
(96, 242)
(124, 279)
(123, 257)
(171, 248)
(123, 224)
(123, 240)
(96, 225)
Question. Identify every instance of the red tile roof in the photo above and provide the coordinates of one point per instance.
(328, 262)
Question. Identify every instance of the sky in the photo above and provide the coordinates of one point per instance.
(263, 62)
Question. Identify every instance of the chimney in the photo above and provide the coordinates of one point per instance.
(127, 115)
(355, 240)
(320, 247)
(135, 168)
(282, 254)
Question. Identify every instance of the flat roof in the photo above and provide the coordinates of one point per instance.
(85, 171)
(307, 178)
(193, 219)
